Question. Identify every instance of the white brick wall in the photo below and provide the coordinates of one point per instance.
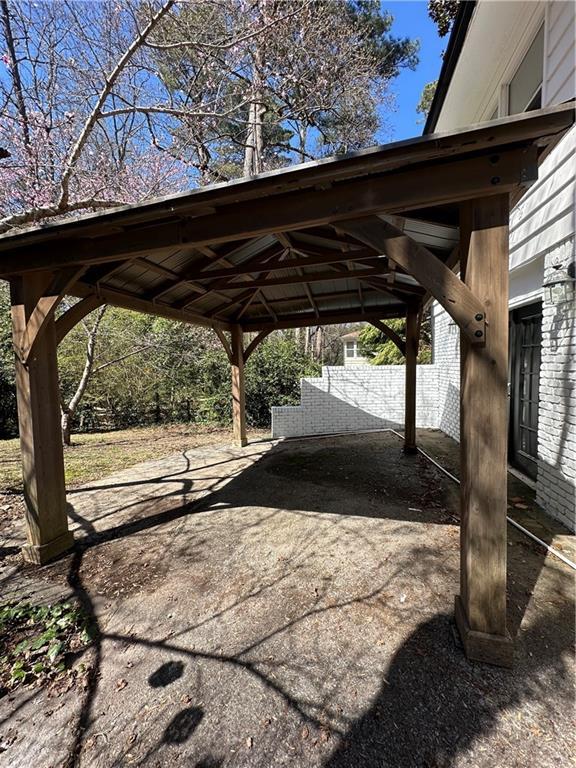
(372, 397)
(446, 339)
(556, 480)
(348, 400)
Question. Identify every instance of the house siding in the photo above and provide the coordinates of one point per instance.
(542, 228)
(545, 215)
(559, 64)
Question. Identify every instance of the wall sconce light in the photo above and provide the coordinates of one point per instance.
(560, 288)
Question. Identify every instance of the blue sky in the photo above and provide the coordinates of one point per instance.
(411, 20)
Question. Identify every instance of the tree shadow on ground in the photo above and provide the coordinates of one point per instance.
(432, 705)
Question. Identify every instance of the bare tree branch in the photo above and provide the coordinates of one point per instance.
(96, 111)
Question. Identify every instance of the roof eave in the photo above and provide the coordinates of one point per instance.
(449, 62)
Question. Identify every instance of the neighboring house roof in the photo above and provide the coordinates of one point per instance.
(455, 43)
(352, 336)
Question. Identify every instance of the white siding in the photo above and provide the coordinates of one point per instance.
(545, 215)
(560, 64)
(526, 283)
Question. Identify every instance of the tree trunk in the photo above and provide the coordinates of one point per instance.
(319, 344)
(68, 411)
(65, 422)
(253, 154)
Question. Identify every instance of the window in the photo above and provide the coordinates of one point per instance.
(525, 88)
(350, 349)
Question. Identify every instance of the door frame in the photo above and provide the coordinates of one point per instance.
(529, 464)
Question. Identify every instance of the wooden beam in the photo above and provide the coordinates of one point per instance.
(407, 188)
(127, 300)
(304, 320)
(238, 387)
(303, 300)
(412, 340)
(246, 305)
(43, 312)
(452, 264)
(458, 300)
(99, 273)
(224, 275)
(391, 334)
(75, 314)
(309, 277)
(196, 272)
(267, 306)
(39, 427)
(256, 341)
(481, 605)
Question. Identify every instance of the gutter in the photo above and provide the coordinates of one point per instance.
(457, 36)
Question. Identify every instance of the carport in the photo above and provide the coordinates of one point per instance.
(366, 237)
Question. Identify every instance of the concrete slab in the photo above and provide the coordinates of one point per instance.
(290, 604)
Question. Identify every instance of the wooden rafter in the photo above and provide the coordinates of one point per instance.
(225, 276)
(266, 306)
(238, 300)
(309, 277)
(127, 300)
(246, 305)
(303, 320)
(318, 297)
(214, 289)
(188, 276)
(286, 241)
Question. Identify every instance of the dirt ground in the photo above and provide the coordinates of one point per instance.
(290, 604)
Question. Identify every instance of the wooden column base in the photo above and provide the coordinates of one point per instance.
(241, 442)
(39, 554)
(480, 646)
(410, 449)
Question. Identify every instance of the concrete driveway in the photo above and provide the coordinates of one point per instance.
(290, 604)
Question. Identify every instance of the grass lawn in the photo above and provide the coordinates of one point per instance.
(92, 456)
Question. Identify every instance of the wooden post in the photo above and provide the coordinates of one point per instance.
(481, 605)
(238, 389)
(39, 425)
(412, 341)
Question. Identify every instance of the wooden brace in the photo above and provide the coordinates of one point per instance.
(75, 314)
(254, 343)
(225, 343)
(44, 310)
(392, 335)
(457, 299)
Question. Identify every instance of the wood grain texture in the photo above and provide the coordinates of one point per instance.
(483, 433)
(238, 386)
(75, 314)
(394, 192)
(461, 303)
(412, 343)
(39, 426)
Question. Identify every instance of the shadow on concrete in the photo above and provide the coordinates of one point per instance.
(432, 706)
